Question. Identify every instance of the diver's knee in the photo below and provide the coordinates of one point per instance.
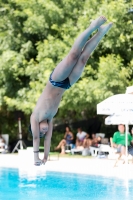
(74, 55)
(83, 59)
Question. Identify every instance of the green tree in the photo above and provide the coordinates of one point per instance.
(35, 36)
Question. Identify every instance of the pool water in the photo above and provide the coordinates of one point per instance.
(18, 185)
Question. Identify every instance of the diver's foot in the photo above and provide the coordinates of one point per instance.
(98, 22)
(105, 28)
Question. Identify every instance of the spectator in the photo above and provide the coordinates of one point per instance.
(93, 136)
(81, 135)
(96, 141)
(87, 142)
(119, 141)
(68, 139)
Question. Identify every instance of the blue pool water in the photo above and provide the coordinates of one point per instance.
(15, 185)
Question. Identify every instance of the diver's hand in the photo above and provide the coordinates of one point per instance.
(38, 162)
(44, 161)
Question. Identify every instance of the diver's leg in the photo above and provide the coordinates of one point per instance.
(64, 68)
(88, 49)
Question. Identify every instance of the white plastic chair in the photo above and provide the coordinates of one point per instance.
(94, 151)
(102, 135)
(6, 138)
(105, 148)
(77, 150)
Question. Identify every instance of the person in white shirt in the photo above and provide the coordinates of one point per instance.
(81, 135)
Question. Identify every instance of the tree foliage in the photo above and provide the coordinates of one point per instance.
(35, 35)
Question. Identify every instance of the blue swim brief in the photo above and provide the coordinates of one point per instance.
(65, 84)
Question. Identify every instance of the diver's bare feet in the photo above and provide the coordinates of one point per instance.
(98, 22)
(105, 28)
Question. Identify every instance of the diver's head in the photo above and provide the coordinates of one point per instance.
(43, 126)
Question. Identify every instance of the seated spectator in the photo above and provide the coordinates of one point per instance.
(93, 136)
(87, 142)
(81, 136)
(94, 142)
(2, 143)
(68, 139)
(119, 141)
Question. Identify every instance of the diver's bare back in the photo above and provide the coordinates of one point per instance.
(48, 103)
